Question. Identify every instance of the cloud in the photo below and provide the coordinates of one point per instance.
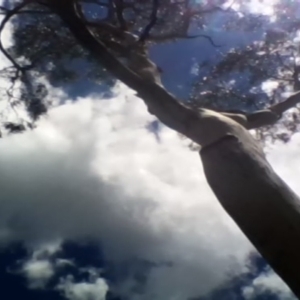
(38, 272)
(93, 170)
(95, 290)
(267, 282)
(41, 265)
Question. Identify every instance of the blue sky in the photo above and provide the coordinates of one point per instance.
(95, 207)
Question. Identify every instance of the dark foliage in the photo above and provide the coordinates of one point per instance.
(45, 51)
(235, 81)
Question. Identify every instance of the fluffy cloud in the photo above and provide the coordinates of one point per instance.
(38, 272)
(39, 268)
(267, 282)
(93, 170)
(94, 290)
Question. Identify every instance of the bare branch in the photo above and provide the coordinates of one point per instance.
(110, 12)
(8, 16)
(283, 106)
(265, 117)
(174, 35)
(95, 2)
(119, 7)
(169, 111)
(27, 11)
(153, 19)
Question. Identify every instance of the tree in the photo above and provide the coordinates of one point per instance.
(117, 38)
(235, 81)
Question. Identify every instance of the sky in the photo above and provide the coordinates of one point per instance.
(94, 205)
(92, 171)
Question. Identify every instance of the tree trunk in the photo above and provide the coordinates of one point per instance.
(262, 205)
(259, 201)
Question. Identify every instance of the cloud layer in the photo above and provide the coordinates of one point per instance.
(93, 170)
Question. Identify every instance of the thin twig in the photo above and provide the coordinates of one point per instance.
(153, 19)
(119, 7)
(172, 36)
(9, 15)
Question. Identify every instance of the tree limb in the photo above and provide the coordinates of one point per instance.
(283, 106)
(95, 2)
(153, 19)
(119, 7)
(7, 17)
(176, 35)
(265, 117)
(203, 127)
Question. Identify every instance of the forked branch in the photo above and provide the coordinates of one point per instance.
(265, 117)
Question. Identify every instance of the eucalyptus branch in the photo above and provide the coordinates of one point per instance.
(174, 35)
(153, 20)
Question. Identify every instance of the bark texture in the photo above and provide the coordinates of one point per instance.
(259, 201)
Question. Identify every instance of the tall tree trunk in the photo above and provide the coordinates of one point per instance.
(261, 204)
(259, 201)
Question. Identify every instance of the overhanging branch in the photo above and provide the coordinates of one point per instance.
(159, 101)
(7, 17)
(153, 19)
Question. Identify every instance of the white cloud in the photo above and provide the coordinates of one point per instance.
(95, 290)
(39, 268)
(264, 7)
(38, 272)
(268, 282)
(92, 170)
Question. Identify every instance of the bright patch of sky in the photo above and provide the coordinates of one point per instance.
(261, 7)
(264, 7)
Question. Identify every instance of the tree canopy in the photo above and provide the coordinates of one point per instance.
(43, 49)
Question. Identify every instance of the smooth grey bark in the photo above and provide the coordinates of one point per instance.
(259, 201)
(264, 117)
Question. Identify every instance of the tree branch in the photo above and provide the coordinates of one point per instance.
(8, 16)
(119, 7)
(151, 92)
(176, 35)
(283, 106)
(27, 11)
(153, 19)
(95, 2)
(265, 117)
(203, 127)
